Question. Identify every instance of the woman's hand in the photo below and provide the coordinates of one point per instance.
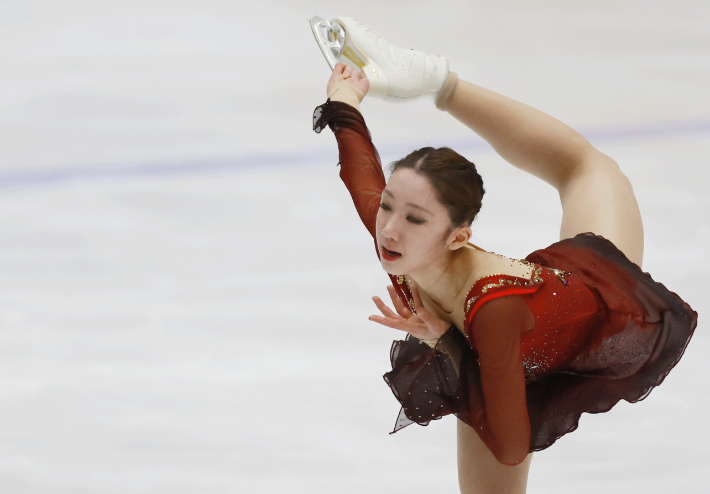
(422, 325)
(347, 85)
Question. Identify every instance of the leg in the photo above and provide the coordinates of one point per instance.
(480, 472)
(596, 196)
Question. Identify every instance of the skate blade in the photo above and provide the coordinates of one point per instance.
(336, 45)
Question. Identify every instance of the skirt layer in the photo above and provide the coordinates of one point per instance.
(643, 331)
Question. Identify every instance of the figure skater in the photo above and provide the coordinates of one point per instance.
(516, 349)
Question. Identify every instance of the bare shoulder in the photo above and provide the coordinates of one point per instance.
(490, 264)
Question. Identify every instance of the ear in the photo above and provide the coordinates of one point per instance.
(459, 237)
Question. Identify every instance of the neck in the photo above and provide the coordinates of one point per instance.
(444, 281)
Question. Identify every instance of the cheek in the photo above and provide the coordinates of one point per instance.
(379, 221)
(430, 241)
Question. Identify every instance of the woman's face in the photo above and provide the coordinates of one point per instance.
(413, 227)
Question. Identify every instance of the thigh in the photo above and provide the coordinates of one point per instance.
(598, 198)
(480, 472)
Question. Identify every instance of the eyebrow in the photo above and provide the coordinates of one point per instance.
(415, 206)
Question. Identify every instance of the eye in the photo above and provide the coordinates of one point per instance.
(414, 220)
(385, 206)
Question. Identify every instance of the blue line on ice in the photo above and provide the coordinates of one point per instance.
(97, 172)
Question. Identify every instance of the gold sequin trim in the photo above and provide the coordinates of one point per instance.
(535, 278)
(401, 280)
(470, 302)
(561, 275)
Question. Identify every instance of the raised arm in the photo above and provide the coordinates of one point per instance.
(360, 167)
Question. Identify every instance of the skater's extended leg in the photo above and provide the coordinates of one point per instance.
(481, 473)
(596, 196)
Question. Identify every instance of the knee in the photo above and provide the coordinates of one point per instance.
(596, 170)
(597, 162)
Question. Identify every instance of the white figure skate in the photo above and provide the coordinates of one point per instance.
(395, 74)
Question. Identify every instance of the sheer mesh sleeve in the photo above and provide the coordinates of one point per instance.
(484, 387)
(360, 167)
(495, 387)
(488, 394)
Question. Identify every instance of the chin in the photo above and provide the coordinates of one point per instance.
(391, 268)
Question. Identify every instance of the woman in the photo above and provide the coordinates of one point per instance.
(517, 349)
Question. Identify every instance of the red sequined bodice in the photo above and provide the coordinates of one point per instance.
(588, 329)
(564, 311)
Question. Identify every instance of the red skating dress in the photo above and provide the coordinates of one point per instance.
(588, 329)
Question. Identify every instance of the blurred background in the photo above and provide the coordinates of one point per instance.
(185, 285)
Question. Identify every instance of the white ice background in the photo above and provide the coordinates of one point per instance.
(185, 285)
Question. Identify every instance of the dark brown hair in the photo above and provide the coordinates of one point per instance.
(458, 185)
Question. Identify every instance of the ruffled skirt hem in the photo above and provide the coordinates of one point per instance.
(644, 332)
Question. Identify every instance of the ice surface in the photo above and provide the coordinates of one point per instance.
(184, 285)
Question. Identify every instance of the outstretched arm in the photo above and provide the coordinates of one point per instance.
(360, 167)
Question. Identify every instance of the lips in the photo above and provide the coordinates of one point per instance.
(390, 255)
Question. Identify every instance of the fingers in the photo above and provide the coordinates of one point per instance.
(418, 331)
(399, 306)
(422, 311)
(386, 311)
(417, 298)
(364, 86)
(385, 321)
(342, 71)
(337, 72)
(353, 77)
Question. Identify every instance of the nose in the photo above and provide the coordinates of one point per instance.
(390, 229)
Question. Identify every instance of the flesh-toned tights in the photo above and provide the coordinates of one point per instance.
(596, 197)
